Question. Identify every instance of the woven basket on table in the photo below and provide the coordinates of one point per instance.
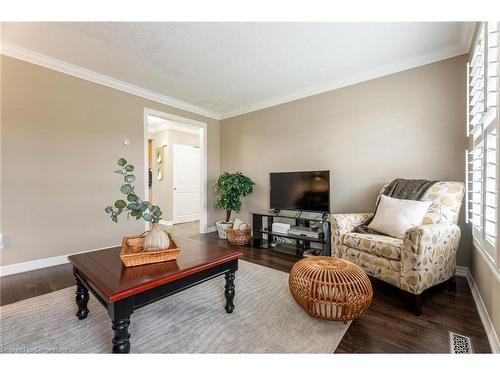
(133, 254)
(239, 236)
(330, 288)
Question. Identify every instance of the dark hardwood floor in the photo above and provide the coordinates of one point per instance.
(387, 327)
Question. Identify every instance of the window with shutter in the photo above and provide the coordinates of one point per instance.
(482, 128)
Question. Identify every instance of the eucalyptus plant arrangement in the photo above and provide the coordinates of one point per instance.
(231, 187)
(135, 207)
(138, 208)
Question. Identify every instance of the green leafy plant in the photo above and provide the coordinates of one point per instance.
(132, 204)
(231, 187)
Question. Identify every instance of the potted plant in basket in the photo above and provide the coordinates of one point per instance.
(156, 238)
(230, 187)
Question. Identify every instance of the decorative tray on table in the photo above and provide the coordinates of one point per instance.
(133, 253)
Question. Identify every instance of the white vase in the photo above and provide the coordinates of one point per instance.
(156, 239)
(222, 227)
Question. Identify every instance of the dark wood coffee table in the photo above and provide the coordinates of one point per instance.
(121, 290)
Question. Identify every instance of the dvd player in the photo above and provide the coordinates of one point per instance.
(305, 232)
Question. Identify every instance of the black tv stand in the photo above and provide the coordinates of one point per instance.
(263, 235)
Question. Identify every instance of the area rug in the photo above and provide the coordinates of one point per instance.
(266, 320)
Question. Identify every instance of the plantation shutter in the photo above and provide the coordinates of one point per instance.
(482, 130)
(476, 108)
(476, 70)
(490, 134)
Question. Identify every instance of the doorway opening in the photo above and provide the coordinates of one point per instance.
(175, 154)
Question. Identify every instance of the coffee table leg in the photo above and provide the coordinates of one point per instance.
(120, 312)
(82, 298)
(121, 342)
(229, 291)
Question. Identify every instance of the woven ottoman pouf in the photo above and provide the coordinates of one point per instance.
(330, 288)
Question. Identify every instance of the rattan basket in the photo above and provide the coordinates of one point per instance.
(133, 253)
(239, 237)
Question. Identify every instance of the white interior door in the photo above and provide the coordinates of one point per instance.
(186, 171)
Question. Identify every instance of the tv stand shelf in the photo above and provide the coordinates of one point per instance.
(301, 219)
(304, 238)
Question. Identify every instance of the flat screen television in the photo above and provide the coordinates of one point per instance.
(302, 191)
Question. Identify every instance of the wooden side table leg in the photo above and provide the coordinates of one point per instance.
(82, 298)
(229, 291)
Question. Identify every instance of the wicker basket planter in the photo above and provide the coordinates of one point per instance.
(239, 237)
(330, 288)
(132, 252)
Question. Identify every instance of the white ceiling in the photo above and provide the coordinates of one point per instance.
(224, 69)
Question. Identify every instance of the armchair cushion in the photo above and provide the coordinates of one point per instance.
(385, 269)
(385, 246)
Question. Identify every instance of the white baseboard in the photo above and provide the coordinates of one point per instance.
(31, 265)
(211, 229)
(481, 309)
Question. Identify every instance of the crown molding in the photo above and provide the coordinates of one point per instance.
(32, 57)
(465, 39)
(367, 75)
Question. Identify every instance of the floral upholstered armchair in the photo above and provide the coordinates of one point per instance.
(423, 258)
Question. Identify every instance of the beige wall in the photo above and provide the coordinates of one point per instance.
(410, 124)
(61, 137)
(488, 285)
(163, 191)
